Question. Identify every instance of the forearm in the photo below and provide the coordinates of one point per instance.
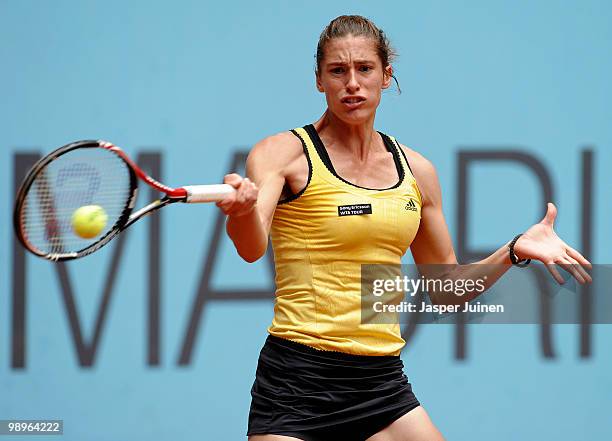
(248, 235)
(487, 271)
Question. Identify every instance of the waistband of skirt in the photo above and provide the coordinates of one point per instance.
(335, 355)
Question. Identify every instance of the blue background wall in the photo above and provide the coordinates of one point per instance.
(199, 80)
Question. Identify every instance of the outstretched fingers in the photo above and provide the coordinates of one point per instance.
(571, 268)
(552, 268)
(577, 256)
(579, 269)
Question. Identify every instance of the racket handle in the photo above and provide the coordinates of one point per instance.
(207, 193)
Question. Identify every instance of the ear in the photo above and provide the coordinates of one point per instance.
(387, 75)
(318, 81)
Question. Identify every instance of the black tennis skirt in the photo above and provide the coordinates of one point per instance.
(320, 395)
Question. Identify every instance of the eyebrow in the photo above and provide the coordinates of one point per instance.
(343, 63)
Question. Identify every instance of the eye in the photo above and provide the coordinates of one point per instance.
(337, 70)
(365, 68)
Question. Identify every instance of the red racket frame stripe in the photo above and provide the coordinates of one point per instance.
(190, 193)
(171, 192)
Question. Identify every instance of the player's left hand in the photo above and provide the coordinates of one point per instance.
(540, 242)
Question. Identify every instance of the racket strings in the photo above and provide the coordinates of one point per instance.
(81, 177)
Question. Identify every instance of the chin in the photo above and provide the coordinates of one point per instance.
(355, 117)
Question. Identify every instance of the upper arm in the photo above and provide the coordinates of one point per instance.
(432, 243)
(266, 166)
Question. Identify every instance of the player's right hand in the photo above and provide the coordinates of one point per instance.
(244, 200)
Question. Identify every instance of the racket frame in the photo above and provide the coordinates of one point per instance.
(124, 220)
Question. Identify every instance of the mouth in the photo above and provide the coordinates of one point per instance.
(352, 102)
(352, 99)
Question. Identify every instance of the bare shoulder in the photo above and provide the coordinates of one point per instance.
(424, 173)
(275, 151)
(418, 162)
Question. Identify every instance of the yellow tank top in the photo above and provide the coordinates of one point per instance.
(321, 237)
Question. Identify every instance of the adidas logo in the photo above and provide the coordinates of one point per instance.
(411, 206)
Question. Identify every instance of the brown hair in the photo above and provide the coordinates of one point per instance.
(357, 26)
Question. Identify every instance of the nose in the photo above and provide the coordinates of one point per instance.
(352, 84)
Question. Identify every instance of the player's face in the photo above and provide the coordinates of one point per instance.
(352, 77)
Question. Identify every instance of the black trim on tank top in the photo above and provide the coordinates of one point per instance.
(299, 193)
(413, 176)
(405, 157)
(320, 148)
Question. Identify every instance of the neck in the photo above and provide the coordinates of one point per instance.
(359, 138)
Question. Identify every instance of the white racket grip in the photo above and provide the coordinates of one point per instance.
(207, 193)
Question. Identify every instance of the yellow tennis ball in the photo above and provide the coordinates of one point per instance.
(88, 221)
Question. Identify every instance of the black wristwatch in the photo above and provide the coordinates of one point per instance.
(515, 260)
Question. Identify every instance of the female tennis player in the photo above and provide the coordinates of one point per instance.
(334, 195)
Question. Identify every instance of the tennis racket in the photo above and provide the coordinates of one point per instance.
(86, 173)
